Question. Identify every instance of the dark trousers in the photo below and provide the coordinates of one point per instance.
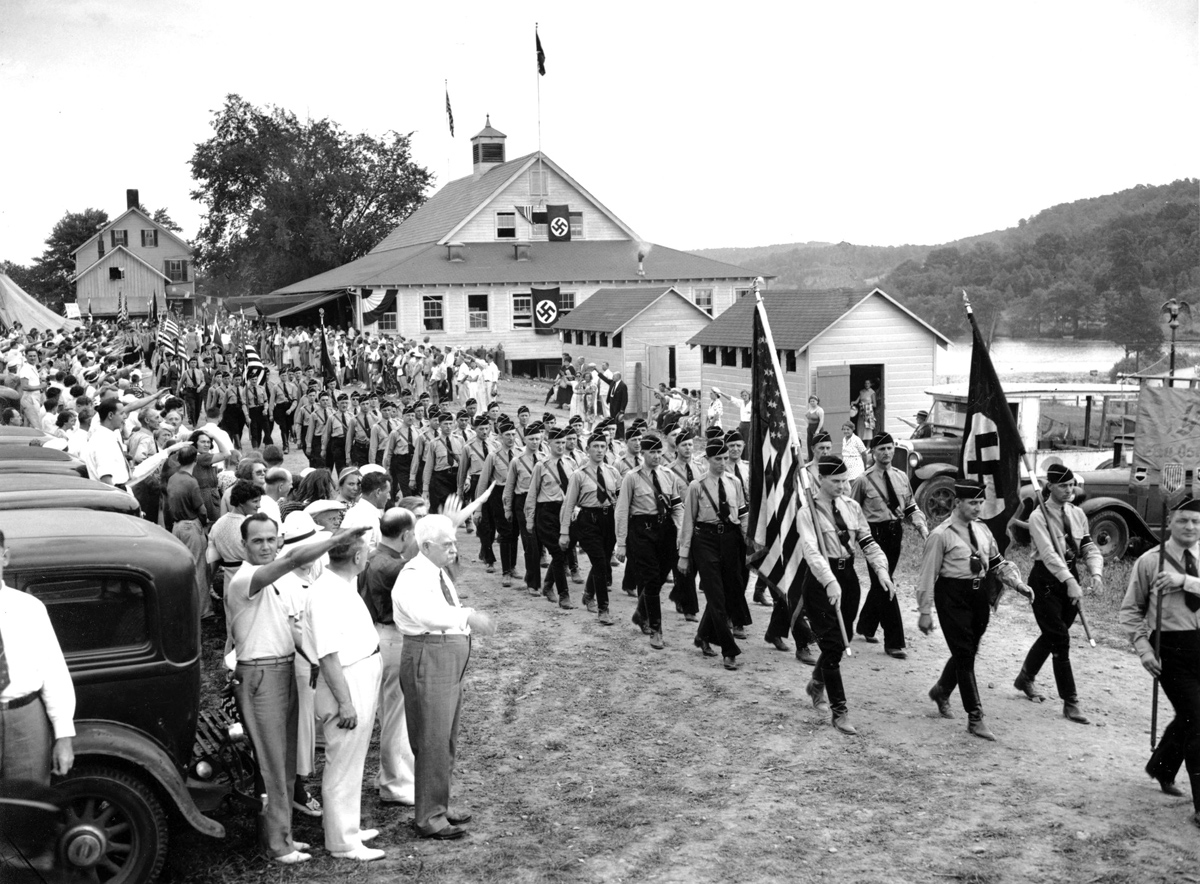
(595, 532)
(878, 610)
(258, 426)
(505, 531)
(717, 561)
(486, 528)
(529, 544)
(191, 403)
(335, 457)
(964, 614)
(284, 421)
(233, 422)
(650, 548)
(1055, 612)
(26, 742)
(683, 593)
(360, 454)
(784, 611)
(545, 518)
(316, 457)
(1180, 681)
(823, 617)
(401, 467)
(441, 485)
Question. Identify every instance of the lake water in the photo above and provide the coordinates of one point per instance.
(1042, 355)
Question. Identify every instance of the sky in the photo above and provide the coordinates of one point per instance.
(700, 125)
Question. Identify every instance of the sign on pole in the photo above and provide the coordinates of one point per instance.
(1168, 431)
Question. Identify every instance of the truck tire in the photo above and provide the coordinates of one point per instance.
(127, 814)
(935, 498)
(1110, 533)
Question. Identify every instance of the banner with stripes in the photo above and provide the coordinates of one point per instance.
(774, 465)
(122, 308)
(168, 337)
(377, 302)
(254, 364)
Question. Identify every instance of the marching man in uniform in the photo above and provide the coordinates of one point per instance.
(958, 554)
(831, 588)
(1060, 539)
(1176, 588)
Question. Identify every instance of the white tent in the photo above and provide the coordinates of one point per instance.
(17, 305)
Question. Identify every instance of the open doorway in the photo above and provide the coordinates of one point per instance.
(867, 390)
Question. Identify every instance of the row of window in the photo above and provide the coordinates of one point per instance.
(591, 339)
(121, 238)
(728, 357)
(506, 225)
(433, 312)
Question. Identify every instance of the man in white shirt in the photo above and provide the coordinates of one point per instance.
(37, 697)
(105, 455)
(344, 640)
(279, 483)
(264, 681)
(376, 488)
(437, 644)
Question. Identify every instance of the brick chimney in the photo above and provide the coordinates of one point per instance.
(131, 199)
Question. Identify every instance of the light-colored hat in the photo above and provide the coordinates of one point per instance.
(345, 474)
(367, 469)
(324, 506)
(299, 531)
(717, 390)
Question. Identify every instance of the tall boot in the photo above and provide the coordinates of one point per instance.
(1064, 677)
(816, 693)
(977, 726)
(1024, 683)
(837, 702)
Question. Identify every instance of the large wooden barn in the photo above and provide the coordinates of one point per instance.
(830, 343)
(639, 332)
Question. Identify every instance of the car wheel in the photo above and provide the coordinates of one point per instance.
(1110, 533)
(935, 497)
(124, 820)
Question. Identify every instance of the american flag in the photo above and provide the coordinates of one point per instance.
(774, 465)
(168, 336)
(122, 308)
(254, 364)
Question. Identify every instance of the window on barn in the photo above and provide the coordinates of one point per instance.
(477, 312)
(119, 238)
(747, 358)
(591, 339)
(150, 239)
(603, 339)
(708, 355)
(176, 271)
(729, 356)
(576, 225)
(522, 313)
(506, 225)
(388, 322)
(704, 300)
(738, 294)
(432, 318)
(566, 303)
(617, 340)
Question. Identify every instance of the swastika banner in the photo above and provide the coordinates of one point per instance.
(1168, 431)
(546, 303)
(992, 448)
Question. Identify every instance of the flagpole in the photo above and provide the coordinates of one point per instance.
(537, 75)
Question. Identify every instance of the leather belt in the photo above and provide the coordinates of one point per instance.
(267, 661)
(712, 527)
(20, 701)
(840, 564)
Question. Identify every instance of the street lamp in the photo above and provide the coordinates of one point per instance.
(1170, 312)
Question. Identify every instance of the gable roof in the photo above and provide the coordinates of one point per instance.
(453, 206)
(797, 318)
(573, 263)
(107, 256)
(610, 310)
(113, 223)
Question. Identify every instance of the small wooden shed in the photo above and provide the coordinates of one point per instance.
(640, 331)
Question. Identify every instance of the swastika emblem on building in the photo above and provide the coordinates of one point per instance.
(547, 312)
(559, 226)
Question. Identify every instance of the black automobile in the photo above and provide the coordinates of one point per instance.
(25, 491)
(120, 595)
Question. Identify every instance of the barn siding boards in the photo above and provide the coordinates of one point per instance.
(482, 228)
(139, 284)
(733, 380)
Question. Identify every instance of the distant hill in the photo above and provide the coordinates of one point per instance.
(819, 265)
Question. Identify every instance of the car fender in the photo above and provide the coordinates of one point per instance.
(1137, 525)
(933, 470)
(111, 739)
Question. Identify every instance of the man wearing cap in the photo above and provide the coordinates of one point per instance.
(315, 436)
(264, 681)
(543, 508)
(522, 423)
(633, 447)
(475, 452)
(494, 474)
(359, 433)
(1176, 588)
(593, 489)
(380, 431)
(190, 386)
(886, 499)
(923, 429)
(421, 446)
(254, 409)
(822, 447)
(647, 521)
(958, 553)
(712, 537)
(398, 452)
(1061, 538)
(335, 440)
(441, 463)
(831, 588)
(685, 471)
(516, 491)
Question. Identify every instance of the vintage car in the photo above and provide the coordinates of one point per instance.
(120, 595)
(23, 436)
(24, 491)
(14, 455)
(1071, 424)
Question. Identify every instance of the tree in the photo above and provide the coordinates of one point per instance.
(1132, 321)
(51, 273)
(163, 217)
(287, 199)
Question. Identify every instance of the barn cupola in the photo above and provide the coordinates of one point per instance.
(487, 148)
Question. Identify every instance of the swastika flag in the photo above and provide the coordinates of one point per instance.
(992, 449)
(546, 306)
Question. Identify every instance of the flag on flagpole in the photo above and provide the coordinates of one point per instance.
(775, 461)
(327, 369)
(168, 336)
(449, 112)
(991, 448)
(541, 55)
(90, 317)
(153, 308)
(254, 363)
(122, 308)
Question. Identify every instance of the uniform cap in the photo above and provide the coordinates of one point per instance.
(1057, 473)
(882, 439)
(969, 489)
(716, 447)
(831, 466)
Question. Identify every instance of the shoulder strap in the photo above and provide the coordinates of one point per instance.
(882, 494)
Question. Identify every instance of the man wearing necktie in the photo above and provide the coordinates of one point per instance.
(475, 452)
(715, 520)
(1059, 531)
(441, 463)
(684, 472)
(1176, 588)
(886, 499)
(646, 524)
(516, 492)
(437, 633)
(496, 467)
(398, 452)
(543, 507)
(593, 489)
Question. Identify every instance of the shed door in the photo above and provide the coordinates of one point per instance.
(833, 389)
(658, 365)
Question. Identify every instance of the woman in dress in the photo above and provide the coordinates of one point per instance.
(816, 420)
(854, 452)
(866, 410)
(209, 453)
